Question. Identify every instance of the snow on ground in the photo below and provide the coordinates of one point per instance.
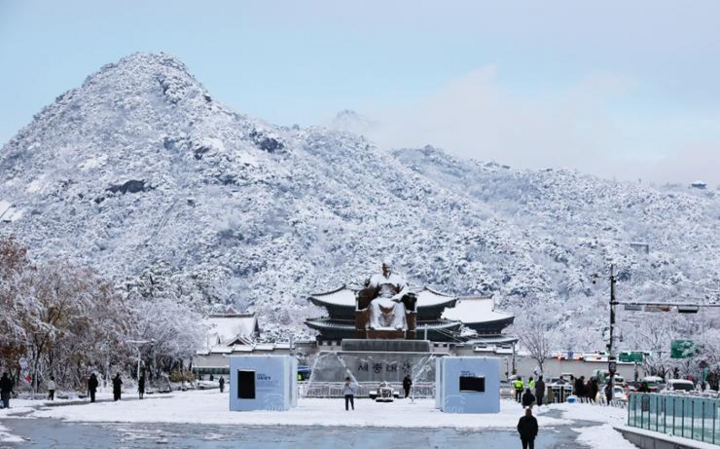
(212, 407)
(603, 437)
(589, 412)
(21, 407)
(6, 437)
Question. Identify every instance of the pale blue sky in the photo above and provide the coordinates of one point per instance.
(607, 88)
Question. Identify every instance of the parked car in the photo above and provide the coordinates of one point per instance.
(654, 383)
(679, 385)
(619, 394)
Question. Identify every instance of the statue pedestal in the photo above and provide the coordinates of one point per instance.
(375, 361)
(357, 345)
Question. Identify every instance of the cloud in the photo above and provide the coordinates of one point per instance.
(574, 126)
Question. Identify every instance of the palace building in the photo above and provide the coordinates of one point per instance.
(437, 317)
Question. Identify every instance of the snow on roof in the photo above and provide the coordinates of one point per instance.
(224, 329)
(221, 350)
(474, 309)
(345, 297)
(429, 298)
(340, 297)
(265, 347)
(242, 348)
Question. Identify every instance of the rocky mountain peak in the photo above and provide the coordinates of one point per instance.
(140, 168)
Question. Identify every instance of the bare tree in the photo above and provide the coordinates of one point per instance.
(538, 335)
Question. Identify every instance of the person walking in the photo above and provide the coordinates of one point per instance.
(51, 388)
(117, 387)
(540, 391)
(609, 390)
(349, 392)
(580, 387)
(528, 398)
(528, 429)
(92, 386)
(141, 386)
(221, 382)
(407, 383)
(594, 388)
(519, 387)
(6, 388)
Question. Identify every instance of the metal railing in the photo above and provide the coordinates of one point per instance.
(335, 390)
(692, 417)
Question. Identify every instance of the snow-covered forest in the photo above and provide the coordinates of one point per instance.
(67, 321)
(143, 175)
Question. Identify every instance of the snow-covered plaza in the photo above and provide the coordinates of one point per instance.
(202, 419)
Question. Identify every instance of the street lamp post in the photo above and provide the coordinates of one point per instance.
(612, 359)
(139, 343)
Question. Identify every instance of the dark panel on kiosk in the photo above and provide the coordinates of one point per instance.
(472, 384)
(246, 384)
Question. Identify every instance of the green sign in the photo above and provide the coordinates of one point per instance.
(682, 349)
(631, 357)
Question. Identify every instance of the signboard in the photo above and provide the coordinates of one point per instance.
(633, 307)
(25, 370)
(631, 357)
(688, 309)
(682, 349)
(657, 308)
(467, 384)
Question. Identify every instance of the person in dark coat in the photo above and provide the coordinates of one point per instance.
(117, 387)
(92, 386)
(6, 388)
(609, 390)
(594, 388)
(528, 398)
(141, 386)
(528, 429)
(540, 391)
(221, 382)
(407, 383)
(580, 387)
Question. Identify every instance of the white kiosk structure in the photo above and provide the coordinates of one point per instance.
(263, 382)
(467, 384)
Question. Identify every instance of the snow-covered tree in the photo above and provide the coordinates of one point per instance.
(538, 334)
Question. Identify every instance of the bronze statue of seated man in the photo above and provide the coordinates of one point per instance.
(387, 310)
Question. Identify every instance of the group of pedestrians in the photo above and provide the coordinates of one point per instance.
(529, 394)
(592, 391)
(532, 393)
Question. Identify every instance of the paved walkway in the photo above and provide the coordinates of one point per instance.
(50, 433)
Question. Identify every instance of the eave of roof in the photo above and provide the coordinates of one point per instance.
(344, 297)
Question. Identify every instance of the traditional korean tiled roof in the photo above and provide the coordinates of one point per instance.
(344, 297)
(475, 309)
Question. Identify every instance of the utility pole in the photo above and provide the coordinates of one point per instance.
(612, 359)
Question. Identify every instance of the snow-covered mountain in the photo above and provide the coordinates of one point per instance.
(142, 169)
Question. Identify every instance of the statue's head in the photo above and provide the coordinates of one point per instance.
(387, 266)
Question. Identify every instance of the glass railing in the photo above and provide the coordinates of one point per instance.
(692, 417)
